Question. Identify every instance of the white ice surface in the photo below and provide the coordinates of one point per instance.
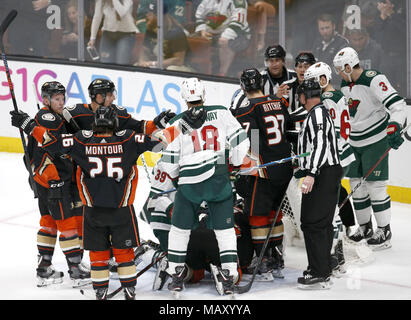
(388, 277)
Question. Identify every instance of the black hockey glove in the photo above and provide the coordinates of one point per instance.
(163, 118)
(22, 121)
(192, 119)
(394, 135)
(55, 190)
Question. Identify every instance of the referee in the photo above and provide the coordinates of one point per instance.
(320, 186)
(274, 75)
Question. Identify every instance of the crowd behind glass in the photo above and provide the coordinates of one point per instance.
(214, 37)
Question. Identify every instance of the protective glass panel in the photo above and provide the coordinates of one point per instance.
(376, 29)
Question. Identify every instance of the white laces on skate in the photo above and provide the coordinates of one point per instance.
(308, 276)
(378, 234)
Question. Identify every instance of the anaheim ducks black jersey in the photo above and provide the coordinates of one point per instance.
(46, 167)
(107, 173)
(83, 115)
(269, 115)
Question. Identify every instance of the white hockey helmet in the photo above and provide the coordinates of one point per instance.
(192, 89)
(316, 71)
(345, 56)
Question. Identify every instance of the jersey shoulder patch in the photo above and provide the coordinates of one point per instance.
(240, 3)
(121, 133)
(119, 107)
(371, 73)
(332, 95)
(48, 117)
(87, 133)
(48, 120)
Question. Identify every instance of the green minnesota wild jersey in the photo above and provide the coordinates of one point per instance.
(372, 102)
(197, 157)
(337, 106)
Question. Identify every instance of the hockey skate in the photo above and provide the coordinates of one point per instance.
(226, 280)
(276, 262)
(101, 293)
(264, 272)
(177, 279)
(310, 282)
(161, 276)
(381, 239)
(129, 293)
(46, 274)
(338, 260)
(362, 233)
(79, 275)
(218, 284)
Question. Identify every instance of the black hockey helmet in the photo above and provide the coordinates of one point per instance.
(101, 86)
(51, 88)
(276, 51)
(251, 79)
(105, 118)
(310, 88)
(305, 57)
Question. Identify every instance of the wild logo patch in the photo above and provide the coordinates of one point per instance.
(353, 106)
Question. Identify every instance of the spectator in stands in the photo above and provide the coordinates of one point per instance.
(330, 41)
(176, 8)
(119, 30)
(390, 32)
(175, 44)
(369, 51)
(30, 33)
(265, 9)
(225, 24)
(70, 35)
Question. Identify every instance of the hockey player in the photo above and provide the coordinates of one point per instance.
(337, 106)
(319, 187)
(274, 76)
(268, 115)
(107, 180)
(200, 252)
(102, 92)
(199, 163)
(52, 176)
(377, 115)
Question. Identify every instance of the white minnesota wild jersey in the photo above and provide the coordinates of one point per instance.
(226, 17)
(194, 158)
(372, 102)
(337, 105)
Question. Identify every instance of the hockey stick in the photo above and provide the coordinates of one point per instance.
(247, 287)
(5, 24)
(35, 96)
(369, 172)
(265, 165)
(70, 120)
(161, 256)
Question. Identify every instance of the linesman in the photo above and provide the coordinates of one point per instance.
(319, 187)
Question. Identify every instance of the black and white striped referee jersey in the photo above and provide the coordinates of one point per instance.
(270, 87)
(318, 137)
